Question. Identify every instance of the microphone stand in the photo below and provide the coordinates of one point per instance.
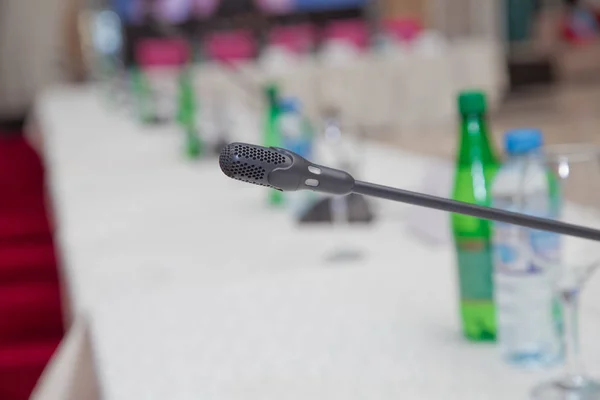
(493, 214)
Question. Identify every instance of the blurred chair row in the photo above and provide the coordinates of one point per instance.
(302, 38)
(408, 86)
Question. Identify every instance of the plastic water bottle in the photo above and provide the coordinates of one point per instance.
(296, 136)
(525, 260)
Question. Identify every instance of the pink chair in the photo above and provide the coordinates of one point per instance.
(354, 32)
(298, 39)
(151, 53)
(403, 29)
(231, 47)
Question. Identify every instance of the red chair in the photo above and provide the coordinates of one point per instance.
(231, 47)
(298, 39)
(32, 260)
(403, 29)
(31, 312)
(23, 209)
(354, 32)
(21, 366)
(31, 321)
(151, 53)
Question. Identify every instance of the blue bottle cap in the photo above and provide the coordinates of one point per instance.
(290, 105)
(524, 140)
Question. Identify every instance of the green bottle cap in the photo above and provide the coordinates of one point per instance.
(472, 102)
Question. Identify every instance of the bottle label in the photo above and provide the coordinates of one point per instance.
(475, 269)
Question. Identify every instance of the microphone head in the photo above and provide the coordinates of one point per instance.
(282, 170)
(252, 164)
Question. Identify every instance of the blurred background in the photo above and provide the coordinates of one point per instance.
(132, 268)
(531, 57)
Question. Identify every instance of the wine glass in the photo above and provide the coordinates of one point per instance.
(576, 169)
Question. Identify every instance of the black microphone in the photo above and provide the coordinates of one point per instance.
(282, 170)
(287, 171)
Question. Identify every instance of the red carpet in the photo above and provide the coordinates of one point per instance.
(30, 308)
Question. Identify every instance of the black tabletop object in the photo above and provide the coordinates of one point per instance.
(359, 211)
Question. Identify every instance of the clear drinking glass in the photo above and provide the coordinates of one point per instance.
(577, 170)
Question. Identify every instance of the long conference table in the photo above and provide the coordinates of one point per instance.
(195, 289)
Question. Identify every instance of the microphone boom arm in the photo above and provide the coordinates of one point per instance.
(284, 170)
(493, 214)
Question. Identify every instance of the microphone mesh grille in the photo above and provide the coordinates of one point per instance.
(226, 160)
(248, 173)
(257, 154)
(238, 161)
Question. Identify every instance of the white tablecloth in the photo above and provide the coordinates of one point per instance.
(195, 289)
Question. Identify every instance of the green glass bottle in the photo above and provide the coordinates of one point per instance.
(142, 94)
(186, 115)
(476, 167)
(185, 99)
(272, 133)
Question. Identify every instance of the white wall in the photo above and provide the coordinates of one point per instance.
(460, 18)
